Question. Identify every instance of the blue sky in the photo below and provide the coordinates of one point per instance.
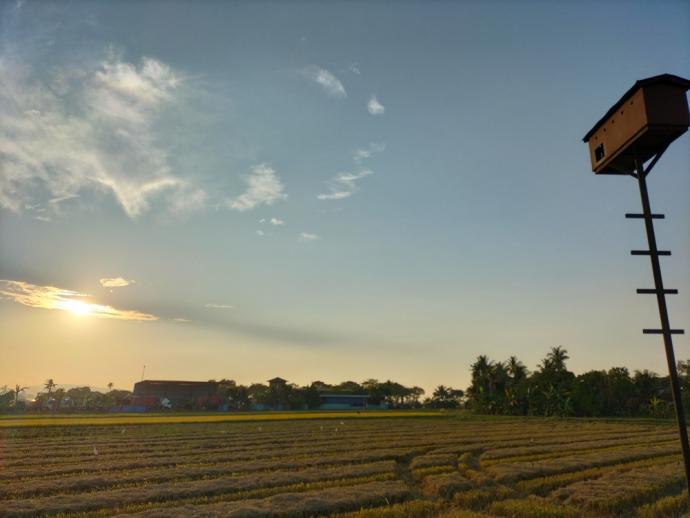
(329, 191)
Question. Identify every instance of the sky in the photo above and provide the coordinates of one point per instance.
(327, 190)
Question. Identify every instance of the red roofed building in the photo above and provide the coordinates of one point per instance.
(189, 395)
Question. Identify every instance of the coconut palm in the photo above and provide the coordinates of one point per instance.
(49, 385)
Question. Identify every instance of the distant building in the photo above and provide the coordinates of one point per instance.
(176, 394)
(335, 401)
(277, 383)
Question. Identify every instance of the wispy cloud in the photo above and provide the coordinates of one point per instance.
(264, 188)
(330, 84)
(89, 128)
(50, 297)
(354, 69)
(306, 236)
(277, 222)
(115, 282)
(361, 154)
(219, 306)
(260, 233)
(344, 185)
(375, 107)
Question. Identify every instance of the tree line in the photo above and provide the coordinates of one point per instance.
(497, 387)
(387, 394)
(55, 398)
(508, 388)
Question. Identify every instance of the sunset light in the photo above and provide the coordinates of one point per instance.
(51, 297)
(76, 307)
(365, 259)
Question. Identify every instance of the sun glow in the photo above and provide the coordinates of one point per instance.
(76, 307)
(50, 297)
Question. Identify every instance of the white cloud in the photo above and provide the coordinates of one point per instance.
(90, 128)
(219, 306)
(306, 236)
(375, 107)
(115, 282)
(277, 222)
(331, 84)
(260, 233)
(265, 188)
(354, 69)
(344, 185)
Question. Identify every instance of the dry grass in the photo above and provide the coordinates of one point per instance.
(620, 491)
(135, 419)
(311, 503)
(352, 467)
(533, 507)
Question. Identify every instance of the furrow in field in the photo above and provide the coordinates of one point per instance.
(523, 470)
(544, 485)
(573, 451)
(618, 492)
(168, 492)
(73, 485)
(240, 431)
(309, 503)
(170, 463)
(573, 444)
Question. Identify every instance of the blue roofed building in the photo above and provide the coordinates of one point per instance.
(343, 401)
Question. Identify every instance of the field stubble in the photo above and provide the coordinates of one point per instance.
(445, 465)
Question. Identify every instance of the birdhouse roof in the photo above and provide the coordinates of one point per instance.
(663, 78)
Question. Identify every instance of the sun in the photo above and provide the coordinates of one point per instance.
(76, 307)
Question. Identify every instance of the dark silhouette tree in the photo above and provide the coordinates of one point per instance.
(49, 385)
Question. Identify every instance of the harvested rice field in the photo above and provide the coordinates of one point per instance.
(448, 465)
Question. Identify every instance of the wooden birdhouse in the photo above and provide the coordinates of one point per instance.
(649, 116)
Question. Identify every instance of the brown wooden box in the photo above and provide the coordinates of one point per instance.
(651, 115)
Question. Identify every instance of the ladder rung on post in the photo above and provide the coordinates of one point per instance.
(641, 216)
(649, 252)
(661, 331)
(652, 291)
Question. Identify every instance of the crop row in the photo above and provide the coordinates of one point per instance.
(531, 469)
(67, 437)
(586, 443)
(80, 483)
(311, 503)
(95, 462)
(617, 491)
(156, 492)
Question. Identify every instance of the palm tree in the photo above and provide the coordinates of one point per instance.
(49, 385)
(482, 367)
(18, 390)
(441, 392)
(555, 359)
(516, 369)
(480, 392)
(110, 386)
